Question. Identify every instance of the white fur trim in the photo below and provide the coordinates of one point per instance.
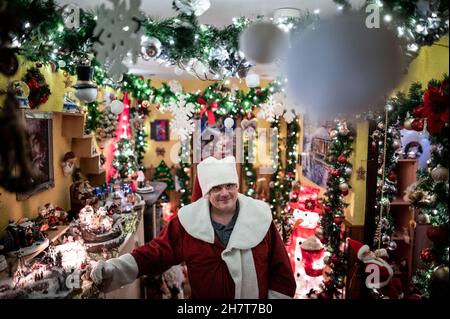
(380, 262)
(362, 250)
(251, 227)
(124, 270)
(213, 172)
(272, 294)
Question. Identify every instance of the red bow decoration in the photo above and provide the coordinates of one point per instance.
(209, 109)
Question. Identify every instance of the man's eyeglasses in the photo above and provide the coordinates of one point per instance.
(218, 188)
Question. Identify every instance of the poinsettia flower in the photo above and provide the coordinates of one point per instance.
(435, 108)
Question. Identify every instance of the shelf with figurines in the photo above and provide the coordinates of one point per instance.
(61, 269)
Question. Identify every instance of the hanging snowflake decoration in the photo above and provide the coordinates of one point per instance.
(273, 108)
(119, 35)
(182, 122)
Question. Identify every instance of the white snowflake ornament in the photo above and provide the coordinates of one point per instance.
(182, 122)
(119, 35)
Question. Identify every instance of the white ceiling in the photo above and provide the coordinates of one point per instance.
(219, 14)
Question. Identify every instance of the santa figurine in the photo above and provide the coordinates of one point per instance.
(379, 273)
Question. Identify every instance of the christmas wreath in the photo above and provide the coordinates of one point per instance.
(39, 89)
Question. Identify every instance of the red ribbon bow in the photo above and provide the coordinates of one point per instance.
(209, 109)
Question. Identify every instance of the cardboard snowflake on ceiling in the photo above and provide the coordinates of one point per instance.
(182, 122)
(119, 35)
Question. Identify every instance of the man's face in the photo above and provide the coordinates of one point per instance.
(224, 197)
(367, 256)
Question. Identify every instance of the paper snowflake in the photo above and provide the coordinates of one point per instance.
(274, 107)
(119, 35)
(182, 122)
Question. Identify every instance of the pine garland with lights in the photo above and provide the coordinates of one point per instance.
(125, 161)
(182, 174)
(386, 139)
(279, 192)
(429, 110)
(330, 231)
(92, 119)
(291, 149)
(249, 170)
(184, 41)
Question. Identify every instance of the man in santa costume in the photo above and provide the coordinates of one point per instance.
(379, 272)
(230, 245)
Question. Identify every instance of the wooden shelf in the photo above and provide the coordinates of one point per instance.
(90, 165)
(399, 201)
(84, 146)
(98, 179)
(72, 125)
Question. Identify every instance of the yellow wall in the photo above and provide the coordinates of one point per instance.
(432, 62)
(10, 208)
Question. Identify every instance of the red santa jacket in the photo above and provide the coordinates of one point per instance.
(254, 264)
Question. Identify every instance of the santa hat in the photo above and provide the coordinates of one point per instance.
(358, 247)
(197, 191)
(213, 172)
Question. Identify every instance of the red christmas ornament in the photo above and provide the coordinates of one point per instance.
(392, 177)
(417, 125)
(344, 193)
(335, 173)
(436, 234)
(342, 159)
(426, 255)
(327, 208)
(338, 219)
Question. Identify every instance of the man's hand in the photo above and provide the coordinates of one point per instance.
(102, 271)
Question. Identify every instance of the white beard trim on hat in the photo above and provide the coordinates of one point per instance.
(213, 172)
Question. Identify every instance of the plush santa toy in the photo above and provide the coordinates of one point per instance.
(379, 272)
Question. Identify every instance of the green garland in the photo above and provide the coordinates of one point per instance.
(92, 119)
(430, 196)
(334, 205)
(249, 170)
(387, 183)
(279, 192)
(182, 174)
(293, 129)
(44, 37)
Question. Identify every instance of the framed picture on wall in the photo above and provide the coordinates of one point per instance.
(38, 126)
(159, 130)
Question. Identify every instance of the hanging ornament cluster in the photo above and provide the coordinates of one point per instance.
(150, 48)
(107, 127)
(125, 161)
(330, 231)
(39, 89)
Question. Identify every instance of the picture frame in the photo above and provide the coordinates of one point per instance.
(159, 130)
(39, 128)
